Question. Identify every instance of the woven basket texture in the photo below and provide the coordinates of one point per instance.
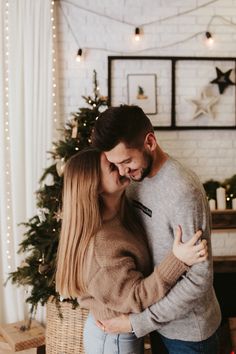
(65, 336)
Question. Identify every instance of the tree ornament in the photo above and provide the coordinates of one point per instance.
(58, 215)
(74, 126)
(41, 212)
(222, 80)
(204, 105)
(44, 268)
(60, 166)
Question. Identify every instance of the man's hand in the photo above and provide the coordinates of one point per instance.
(119, 324)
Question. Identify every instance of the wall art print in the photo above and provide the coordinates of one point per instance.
(176, 92)
(141, 91)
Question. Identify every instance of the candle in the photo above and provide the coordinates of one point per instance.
(234, 203)
(220, 198)
(212, 204)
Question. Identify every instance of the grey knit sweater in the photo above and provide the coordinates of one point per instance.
(175, 196)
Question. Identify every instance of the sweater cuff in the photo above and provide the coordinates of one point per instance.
(142, 323)
(171, 268)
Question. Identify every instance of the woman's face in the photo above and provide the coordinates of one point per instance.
(111, 181)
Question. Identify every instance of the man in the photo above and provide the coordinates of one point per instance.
(187, 318)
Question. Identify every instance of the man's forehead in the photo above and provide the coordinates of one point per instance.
(118, 155)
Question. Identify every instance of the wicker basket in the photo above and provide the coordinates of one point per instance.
(65, 336)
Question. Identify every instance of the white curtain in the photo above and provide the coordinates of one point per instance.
(26, 128)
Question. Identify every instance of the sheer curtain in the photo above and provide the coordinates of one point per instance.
(26, 128)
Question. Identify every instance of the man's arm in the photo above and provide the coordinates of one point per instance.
(192, 214)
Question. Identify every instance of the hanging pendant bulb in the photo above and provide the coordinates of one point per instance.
(79, 55)
(137, 34)
(209, 38)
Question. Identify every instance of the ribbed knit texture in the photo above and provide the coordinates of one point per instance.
(175, 196)
(117, 263)
(171, 268)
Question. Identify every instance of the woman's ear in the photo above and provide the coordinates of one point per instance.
(150, 142)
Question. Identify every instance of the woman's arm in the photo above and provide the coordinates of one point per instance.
(121, 287)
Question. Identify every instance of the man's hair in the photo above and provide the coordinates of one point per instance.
(127, 124)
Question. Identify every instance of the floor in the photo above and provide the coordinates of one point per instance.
(228, 341)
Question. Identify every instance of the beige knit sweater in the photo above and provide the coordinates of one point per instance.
(118, 275)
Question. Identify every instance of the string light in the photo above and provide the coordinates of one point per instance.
(7, 142)
(54, 85)
(143, 24)
(137, 34)
(209, 38)
(79, 55)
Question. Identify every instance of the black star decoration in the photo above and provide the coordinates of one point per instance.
(222, 80)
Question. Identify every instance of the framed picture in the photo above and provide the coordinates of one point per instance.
(205, 93)
(176, 93)
(142, 92)
(142, 81)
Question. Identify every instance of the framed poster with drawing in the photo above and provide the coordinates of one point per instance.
(142, 92)
(176, 93)
(205, 93)
(142, 81)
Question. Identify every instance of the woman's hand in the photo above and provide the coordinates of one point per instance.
(193, 251)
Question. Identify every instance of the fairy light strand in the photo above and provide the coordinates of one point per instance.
(7, 143)
(184, 40)
(126, 52)
(179, 14)
(143, 24)
(149, 48)
(120, 51)
(54, 84)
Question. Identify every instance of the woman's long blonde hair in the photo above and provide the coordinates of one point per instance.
(82, 218)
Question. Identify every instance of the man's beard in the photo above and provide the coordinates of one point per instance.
(146, 170)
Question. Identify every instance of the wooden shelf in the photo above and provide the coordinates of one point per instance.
(224, 264)
(223, 219)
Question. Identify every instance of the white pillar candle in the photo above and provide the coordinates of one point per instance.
(234, 203)
(220, 198)
(212, 204)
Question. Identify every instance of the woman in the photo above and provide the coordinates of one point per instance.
(103, 256)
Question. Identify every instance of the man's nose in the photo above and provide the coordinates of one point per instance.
(122, 170)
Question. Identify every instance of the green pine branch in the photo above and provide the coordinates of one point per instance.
(40, 240)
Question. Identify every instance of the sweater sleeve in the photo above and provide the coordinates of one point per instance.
(121, 287)
(192, 214)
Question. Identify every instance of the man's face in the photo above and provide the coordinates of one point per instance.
(111, 181)
(131, 162)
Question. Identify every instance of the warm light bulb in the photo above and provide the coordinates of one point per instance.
(209, 38)
(79, 55)
(137, 34)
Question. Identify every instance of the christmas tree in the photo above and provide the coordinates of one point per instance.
(40, 240)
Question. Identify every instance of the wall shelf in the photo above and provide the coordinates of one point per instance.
(223, 219)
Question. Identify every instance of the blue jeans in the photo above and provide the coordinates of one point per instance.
(208, 346)
(98, 342)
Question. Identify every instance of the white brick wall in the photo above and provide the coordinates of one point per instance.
(210, 153)
(223, 243)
